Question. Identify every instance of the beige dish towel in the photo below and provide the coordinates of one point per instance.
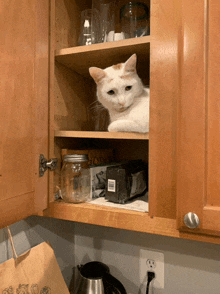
(34, 272)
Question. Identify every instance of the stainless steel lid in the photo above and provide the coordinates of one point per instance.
(76, 158)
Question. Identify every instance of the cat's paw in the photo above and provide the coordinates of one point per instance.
(127, 126)
(122, 126)
(114, 127)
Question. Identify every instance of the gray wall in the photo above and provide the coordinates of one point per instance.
(190, 267)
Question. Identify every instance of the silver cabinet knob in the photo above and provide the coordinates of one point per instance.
(191, 220)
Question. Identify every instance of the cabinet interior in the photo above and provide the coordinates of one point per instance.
(75, 90)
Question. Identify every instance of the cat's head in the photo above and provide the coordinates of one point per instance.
(117, 85)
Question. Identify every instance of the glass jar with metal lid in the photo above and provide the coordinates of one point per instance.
(75, 178)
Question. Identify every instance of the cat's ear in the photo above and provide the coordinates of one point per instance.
(97, 74)
(130, 64)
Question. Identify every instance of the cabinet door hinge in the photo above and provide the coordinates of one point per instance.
(44, 164)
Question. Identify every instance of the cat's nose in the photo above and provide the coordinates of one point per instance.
(122, 103)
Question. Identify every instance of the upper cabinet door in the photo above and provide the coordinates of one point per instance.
(23, 107)
(198, 165)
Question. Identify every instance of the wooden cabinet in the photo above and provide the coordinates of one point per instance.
(181, 139)
(198, 117)
(24, 107)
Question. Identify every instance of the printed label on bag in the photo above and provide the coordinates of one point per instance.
(111, 185)
(24, 289)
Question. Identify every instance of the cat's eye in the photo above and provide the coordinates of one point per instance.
(111, 92)
(128, 88)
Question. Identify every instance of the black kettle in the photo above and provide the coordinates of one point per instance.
(94, 278)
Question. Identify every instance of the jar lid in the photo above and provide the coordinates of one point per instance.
(76, 157)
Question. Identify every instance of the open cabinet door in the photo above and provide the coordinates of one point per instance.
(23, 107)
(199, 119)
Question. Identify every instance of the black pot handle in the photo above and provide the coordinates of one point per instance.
(112, 285)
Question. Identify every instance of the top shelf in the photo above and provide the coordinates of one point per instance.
(102, 55)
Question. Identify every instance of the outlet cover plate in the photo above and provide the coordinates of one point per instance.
(152, 261)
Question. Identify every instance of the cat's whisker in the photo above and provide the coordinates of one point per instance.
(96, 107)
(93, 105)
(96, 101)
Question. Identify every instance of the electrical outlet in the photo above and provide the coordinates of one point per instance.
(151, 264)
(152, 261)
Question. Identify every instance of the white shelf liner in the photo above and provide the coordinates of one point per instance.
(137, 204)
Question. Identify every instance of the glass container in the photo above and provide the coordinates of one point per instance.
(106, 11)
(75, 178)
(89, 30)
(134, 19)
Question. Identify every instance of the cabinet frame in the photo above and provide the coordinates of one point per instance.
(162, 136)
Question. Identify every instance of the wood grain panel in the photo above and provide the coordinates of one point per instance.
(15, 209)
(41, 100)
(51, 96)
(199, 113)
(24, 110)
(211, 219)
(213, 173)
(165, 22)
(192, 111)
(17, 94)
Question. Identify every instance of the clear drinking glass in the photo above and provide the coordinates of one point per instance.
(134, 18)
(98, 117)
(106, 10)
(89, 31)
(75, 178)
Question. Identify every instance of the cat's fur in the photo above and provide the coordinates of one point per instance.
(121, 91)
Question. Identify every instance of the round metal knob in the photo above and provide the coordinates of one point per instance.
(191, 220)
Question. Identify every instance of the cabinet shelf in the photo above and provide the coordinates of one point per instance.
(80, 58)
(112, 217)
(101, 135)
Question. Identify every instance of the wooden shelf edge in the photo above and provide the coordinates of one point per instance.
(103, 46)
(122, 219)
(101, 135)
(102, 55)
(112, 217)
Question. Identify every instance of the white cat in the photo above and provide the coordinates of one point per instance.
(122, 93)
